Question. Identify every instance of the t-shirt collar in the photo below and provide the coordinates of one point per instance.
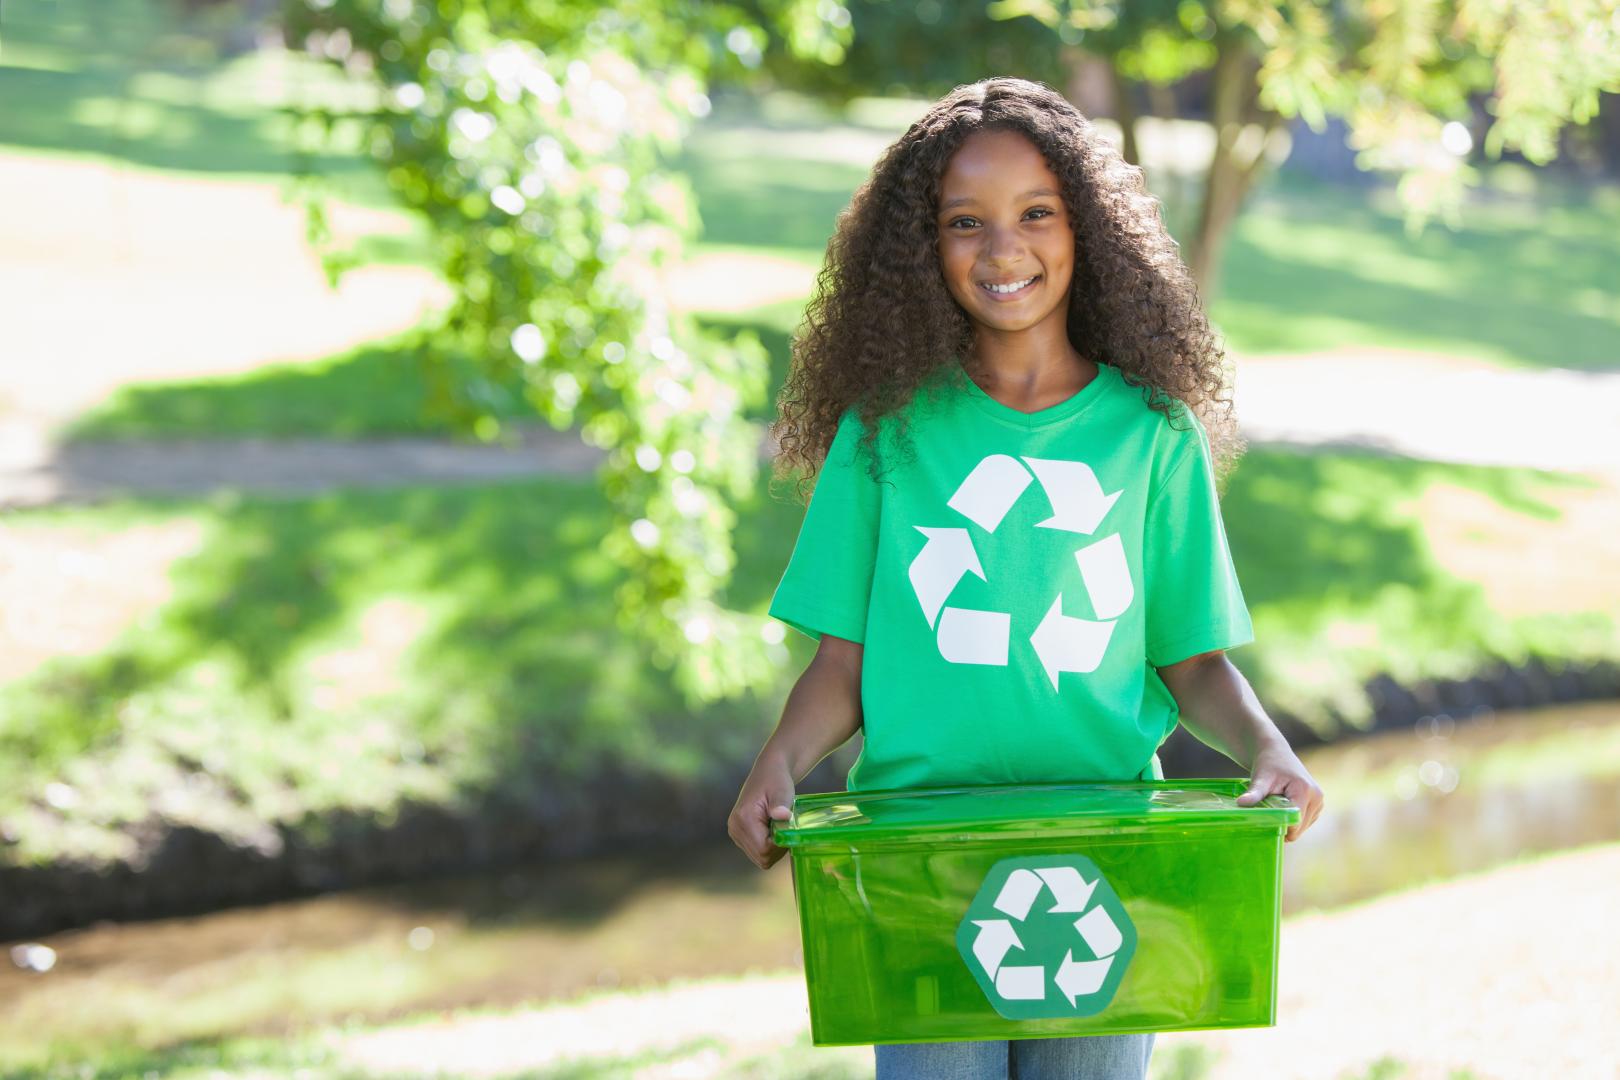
(1052, 414)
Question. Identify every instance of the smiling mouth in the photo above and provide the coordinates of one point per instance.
(1010, 290)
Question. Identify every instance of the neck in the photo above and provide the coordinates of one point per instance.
(1028, 360)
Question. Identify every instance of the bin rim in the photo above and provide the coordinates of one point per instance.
(890, 814)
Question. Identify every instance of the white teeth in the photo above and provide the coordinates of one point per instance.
(1014, 287)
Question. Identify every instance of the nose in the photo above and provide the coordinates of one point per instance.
(1002, 246)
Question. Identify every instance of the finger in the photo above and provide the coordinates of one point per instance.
(1259, 788)
(751, 834)
(765, 830)
(1297, 791)
(1308, 797)
(758, 835)
(1316, 810)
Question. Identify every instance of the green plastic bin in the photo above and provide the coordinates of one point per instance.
(996, 912)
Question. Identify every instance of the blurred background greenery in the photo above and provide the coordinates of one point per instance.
(376, 673)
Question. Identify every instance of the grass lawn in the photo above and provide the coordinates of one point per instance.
(136, 84)
(424, 643)
(1308, 267)
(368, 646)
(385, 387)
(154, 213)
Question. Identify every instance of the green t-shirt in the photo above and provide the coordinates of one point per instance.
(1015, 582)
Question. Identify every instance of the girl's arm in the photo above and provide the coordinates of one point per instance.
(823, 711)
(1219, 707)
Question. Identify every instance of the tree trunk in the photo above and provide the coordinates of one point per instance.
(1097, 89)
(1125, 114)
(1162, 100)
(1237, 161)
(1607, 124)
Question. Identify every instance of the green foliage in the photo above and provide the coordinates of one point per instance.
(1158, 41)
(924, 49)
(534, 138)
(1397, 71)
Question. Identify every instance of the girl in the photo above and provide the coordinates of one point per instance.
(1014, 561)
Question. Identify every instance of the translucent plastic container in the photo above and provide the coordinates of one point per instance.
(1003, 912)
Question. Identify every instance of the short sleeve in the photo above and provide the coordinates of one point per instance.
(1194, 602)
(828, 581)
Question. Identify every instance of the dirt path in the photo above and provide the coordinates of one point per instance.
(1506, 974)
(1548, 419)
(1435, 407)
(33, 472)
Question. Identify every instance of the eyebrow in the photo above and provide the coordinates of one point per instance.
(1026, 195)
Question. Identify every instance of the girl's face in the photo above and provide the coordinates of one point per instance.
(1006, 245)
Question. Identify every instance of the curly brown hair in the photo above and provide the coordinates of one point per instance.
(882, 322)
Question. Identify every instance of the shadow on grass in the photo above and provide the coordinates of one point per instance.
(510, 685)
(1314, 530)
(63, 112)
(517, 688)
(128, 80)
(383, 388)
(523, 635)
(747, 195)
(1319, 267)
(1324, 540)
(389, 387)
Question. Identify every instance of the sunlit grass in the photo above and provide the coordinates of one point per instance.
(135, 83)
(509, 668)
(1302, 274)
(338, 1053)
(515, 673)
(1342, 576)
(1315, 267)
(154, 178)
(1309, 266)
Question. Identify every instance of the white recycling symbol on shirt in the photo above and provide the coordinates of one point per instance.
(1062, 642)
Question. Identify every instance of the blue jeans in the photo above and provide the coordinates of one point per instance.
(1084, 1057)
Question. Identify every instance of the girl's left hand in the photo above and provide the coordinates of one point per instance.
(1278, 771)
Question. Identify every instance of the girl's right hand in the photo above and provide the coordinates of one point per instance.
(766, 795)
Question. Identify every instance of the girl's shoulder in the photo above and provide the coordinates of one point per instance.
(1175, 436)
(937, 390)
(1171, 418)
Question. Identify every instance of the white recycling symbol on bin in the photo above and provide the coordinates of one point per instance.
(1062, 642)
(1070, 955)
